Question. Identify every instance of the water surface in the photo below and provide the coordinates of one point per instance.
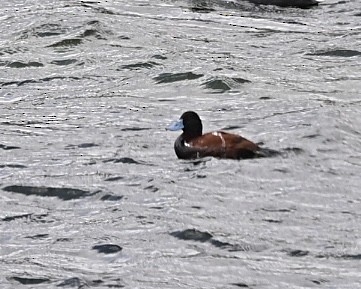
(92, 192)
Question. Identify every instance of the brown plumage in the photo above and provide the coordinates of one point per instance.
(221, 144)
(193, 144)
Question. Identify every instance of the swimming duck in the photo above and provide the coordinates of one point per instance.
(192, 143)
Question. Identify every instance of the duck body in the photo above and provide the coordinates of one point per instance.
(192, 144)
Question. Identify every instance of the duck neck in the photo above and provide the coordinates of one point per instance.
(191, 134)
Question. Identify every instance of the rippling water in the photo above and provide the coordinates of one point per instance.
(92, 192)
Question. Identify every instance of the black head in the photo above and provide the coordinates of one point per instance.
(192, 124)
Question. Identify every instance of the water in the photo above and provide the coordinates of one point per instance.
(92, 192)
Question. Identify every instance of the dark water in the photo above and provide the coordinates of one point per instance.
(92, 192)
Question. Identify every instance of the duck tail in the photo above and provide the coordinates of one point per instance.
(266, 153)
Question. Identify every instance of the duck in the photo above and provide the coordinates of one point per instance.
(193, 144)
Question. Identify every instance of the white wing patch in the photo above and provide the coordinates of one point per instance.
(219, 134)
